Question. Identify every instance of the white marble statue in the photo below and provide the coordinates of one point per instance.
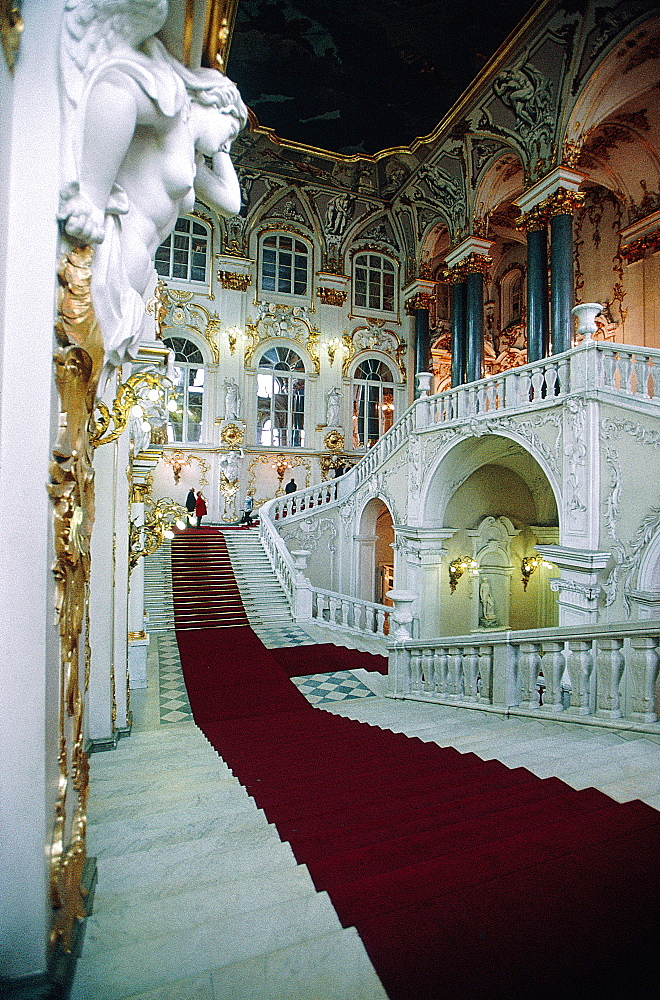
(487, 614)
(333, 407)
(137, 127)
(232, 400)
(230, 465)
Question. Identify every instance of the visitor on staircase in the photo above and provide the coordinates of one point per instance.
(200, 508)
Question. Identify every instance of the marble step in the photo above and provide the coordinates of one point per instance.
(108, 973)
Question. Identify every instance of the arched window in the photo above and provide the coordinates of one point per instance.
(281, 399)
(373, 402)
(512, 297)
(185, 254)
(185, 420)
(373, 282)
(285, 262)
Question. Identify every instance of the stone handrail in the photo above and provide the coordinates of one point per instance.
(600, 674)
(350, 613)
(634, 371)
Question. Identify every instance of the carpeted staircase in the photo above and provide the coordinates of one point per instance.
(463, 877)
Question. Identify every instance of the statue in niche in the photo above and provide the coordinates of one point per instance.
(333, 407)
(137, 128)
(232, 400)
(487, 614)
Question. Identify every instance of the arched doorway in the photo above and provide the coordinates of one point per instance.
(375, 563)
(494, 505)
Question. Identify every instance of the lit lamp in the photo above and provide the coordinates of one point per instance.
(529, 564)
(334, 345)
(280, 465)
(458, 566)
(233, 333)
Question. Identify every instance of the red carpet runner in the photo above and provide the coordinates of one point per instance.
(464, 879)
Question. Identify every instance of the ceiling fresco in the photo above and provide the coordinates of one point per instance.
(362, 77)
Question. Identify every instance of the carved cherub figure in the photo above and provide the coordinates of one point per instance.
(137, 128)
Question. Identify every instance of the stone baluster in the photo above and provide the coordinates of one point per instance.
(550, 381)
(529, 664)
(380, 622)
(470, 672)
(563, 383)
(454, 663)
(580, 664)
(538, 383)
(524, 388)
(345, 613)
(440, 670)
(625, 369)
(644, 665)
(552, 664)
(415, 671)
(486, 675)
(610, 664)
(428, 679)
(481, 396)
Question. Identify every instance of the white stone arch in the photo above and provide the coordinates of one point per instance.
(365, 542)
(455, 461)
(399, 397)
(251, 379)
(498, 182)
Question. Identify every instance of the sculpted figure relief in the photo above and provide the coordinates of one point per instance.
(333, 407)
(232, 400)
(137, 128)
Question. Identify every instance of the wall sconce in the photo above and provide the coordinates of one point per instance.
(458, 566)
(233, 334)
(334, 345)
(126, 403)
(146, 538)
(176, 461)
(528, 565)
(280, 465)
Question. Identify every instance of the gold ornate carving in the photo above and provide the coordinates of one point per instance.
(563, 202)
(234, 280)
(643, 247)
(334, 441)
(535, 219)
(11, 29)
(331, 296)
(295, 461)
(422, 300)
(275, 320)
(127, 397)
(177, 460)
(78, 363)
(146, 538)
(139, 492)
(136, 636)
(232, 436)
(158, 306)
(477, 263)
(186, 312)
(374, 337)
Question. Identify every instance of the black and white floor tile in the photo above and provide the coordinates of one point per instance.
(174, 704)
(338, 686)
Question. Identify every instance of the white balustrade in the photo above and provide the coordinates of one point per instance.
(602, 664)
(350, 613)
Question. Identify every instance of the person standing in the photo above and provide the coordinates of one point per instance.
(190, 503)
(200, 508)
(290, 486)
(248, 505)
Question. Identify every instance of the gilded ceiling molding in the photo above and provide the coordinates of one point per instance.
(78, 361)
(11, 29)
(374, 338)
(331, 296)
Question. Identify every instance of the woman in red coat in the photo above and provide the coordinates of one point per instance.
(200, 508)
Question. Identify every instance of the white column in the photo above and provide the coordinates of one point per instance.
(29, 146)
(120, 586)
(138, 640)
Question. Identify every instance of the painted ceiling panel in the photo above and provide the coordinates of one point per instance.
(361, 77)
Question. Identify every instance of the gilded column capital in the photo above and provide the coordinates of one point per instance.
(534, 220)
(422, 300)
(477, 263)
(331, 296)
(563, 202)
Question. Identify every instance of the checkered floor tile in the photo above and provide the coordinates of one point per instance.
(275, 636)
(174, 704)
(338, 686)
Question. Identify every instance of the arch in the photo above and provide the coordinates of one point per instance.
(501, 180)
(185, 398)
(373, 398)
(457, 461)
(185, 257)
(281, 396)
(375, 557)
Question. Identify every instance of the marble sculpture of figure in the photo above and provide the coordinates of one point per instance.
(229, 465)
(333, 406)
(232, 400)
(137, 128)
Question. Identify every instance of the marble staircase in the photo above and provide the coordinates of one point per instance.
(158, 605)
(198, 898)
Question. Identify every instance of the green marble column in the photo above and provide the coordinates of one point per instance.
(561, 281)
(458, 352)
(474, 326)
(538, 327)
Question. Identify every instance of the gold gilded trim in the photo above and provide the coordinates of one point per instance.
(11, 29)
(234, 280)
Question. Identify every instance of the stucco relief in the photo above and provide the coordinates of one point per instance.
(627, 556)
(575, 458)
